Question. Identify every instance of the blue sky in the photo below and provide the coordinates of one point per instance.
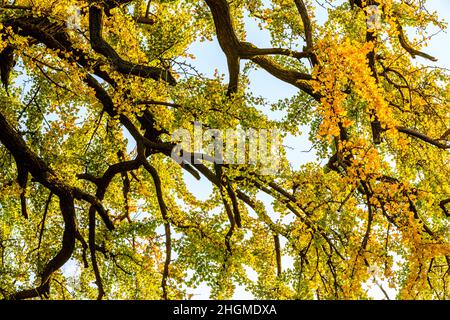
(210, 57)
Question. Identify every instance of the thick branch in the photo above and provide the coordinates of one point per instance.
(307, 25)
(68, 245)
(295, 78)
(235, 49)
(443, 205)
(164, 213)
(276, 239)
(423, 137)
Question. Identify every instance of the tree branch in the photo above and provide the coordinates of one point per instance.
(405, 44)
(164, 213)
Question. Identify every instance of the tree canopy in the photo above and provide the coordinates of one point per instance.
(92, 204)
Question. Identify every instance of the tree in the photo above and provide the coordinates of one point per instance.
(84, 216)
